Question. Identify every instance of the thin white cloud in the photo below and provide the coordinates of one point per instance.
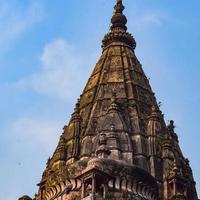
(63, 73)
(152, 18)
(16, 20)
(62, 76)
(144, 20)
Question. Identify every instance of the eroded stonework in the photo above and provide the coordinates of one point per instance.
(117, 145)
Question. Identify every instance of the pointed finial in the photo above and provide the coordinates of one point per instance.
(76, 109)
(76, 113)
(187, 161)
(118, 30)
(171, 126)
(119, 19)
(119, 7)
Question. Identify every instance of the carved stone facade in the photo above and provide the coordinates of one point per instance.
(117, 145)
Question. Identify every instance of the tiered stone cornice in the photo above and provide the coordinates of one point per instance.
(119, 36)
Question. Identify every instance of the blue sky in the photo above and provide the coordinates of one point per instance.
(47, 52)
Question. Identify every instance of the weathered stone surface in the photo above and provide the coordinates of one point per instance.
(117, 145)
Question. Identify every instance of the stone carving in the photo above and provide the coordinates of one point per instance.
(117, 144)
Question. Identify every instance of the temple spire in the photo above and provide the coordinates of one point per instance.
(119, 19)
(116, 144)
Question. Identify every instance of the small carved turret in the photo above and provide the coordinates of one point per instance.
(77, 123)
(61, 149)
(72, 134)
(171, 128)
(153, 130)
(75, 115)
(178, 185)
(167, 148)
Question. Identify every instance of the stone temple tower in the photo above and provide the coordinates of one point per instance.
(116, 144)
